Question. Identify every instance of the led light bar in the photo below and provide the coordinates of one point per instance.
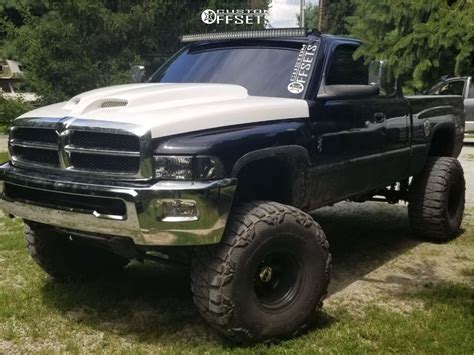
(272, 32)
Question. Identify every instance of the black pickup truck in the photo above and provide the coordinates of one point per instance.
(215, 159)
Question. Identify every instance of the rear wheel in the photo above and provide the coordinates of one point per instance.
(65, 259)
(436, 200)
(268, 275)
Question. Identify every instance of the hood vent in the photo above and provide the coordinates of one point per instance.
(108, 104)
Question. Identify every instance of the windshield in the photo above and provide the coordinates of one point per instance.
(263, 70)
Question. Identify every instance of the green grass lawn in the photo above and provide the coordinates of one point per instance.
(3, 157)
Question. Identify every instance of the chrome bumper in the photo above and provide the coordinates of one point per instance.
(149, 217)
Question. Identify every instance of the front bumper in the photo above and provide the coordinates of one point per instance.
(163, 214)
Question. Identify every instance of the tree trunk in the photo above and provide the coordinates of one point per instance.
(323, 7)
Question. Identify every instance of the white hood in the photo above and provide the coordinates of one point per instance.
(168, 109)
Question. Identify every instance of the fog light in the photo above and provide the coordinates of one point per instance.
(179, 211)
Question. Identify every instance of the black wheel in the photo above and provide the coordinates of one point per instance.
(268, 275)
(436, 200)
(65, 259)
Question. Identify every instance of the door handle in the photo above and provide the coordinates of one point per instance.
(379, 117)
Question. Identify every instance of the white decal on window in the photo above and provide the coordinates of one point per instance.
(295, 87)
(302, 69)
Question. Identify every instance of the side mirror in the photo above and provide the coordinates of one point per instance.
(137, 74)
(376, 71)
(381, 76)
(332, 92)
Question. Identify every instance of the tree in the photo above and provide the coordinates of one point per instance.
(79, 45)
(421, 39)
(311, 16)
(336, 14)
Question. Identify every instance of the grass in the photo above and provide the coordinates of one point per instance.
(3, 157)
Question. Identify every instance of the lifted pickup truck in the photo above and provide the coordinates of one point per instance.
(215, 159)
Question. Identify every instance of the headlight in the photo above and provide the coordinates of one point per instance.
(208, 168)
(188, 167)
(174, 167)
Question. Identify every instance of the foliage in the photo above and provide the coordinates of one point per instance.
(79, 45)
(311, 16)
(421, 39)
(10, 109)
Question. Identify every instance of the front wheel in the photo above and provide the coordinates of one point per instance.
(436, 200)
(268, 275)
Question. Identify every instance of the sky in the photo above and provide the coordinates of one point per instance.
(283, 12)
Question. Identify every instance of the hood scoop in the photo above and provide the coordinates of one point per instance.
(107, 104)
(82, 105)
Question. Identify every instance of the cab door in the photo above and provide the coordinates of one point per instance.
(349, 129)
(353, 129)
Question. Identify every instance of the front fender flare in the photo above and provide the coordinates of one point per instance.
(296, 158)
(294, 155)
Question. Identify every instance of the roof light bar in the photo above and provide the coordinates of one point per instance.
(269, 33)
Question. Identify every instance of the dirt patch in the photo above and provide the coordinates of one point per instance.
(388, 285)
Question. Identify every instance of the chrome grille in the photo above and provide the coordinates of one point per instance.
(94, 162)
(43, 135)
(99, 140)
(81, 149)
(35, 155)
